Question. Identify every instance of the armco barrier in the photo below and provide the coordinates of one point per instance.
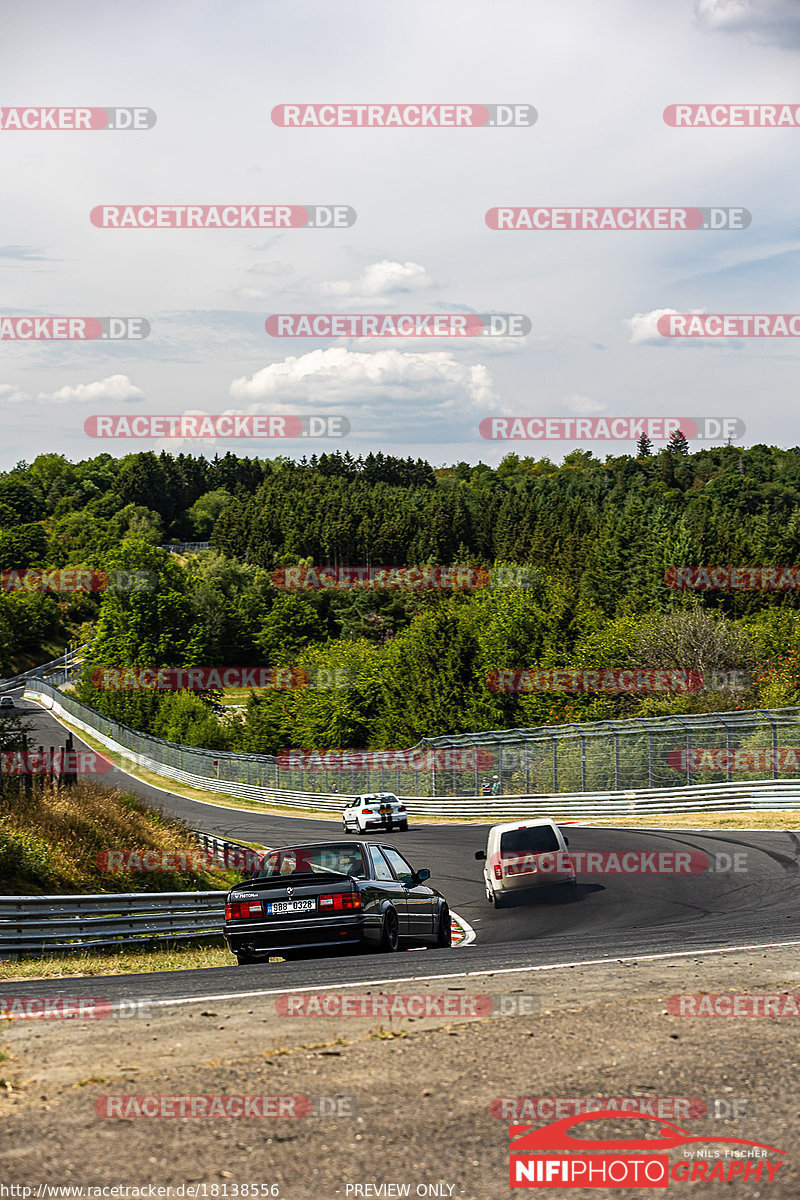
(34, 925)
(758, 794)
(60, 665)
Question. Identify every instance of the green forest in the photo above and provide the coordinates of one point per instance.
(597, 537)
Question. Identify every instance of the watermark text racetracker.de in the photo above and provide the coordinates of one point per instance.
(397, 325)
(610, 680)
(628, 219)
(403, 116)
(74, 329)
(315, 578)
(405, 1005)
(718, 116)
(56, 119)
(219, 425)
(621, 862)
(760, 760)
(204, 679)
(54, 762)
(449, 758)
(203, 1107)
(729, 325)
(735, 1004)
(223, 216)
(604, 429)
(75, 579)
(616, 681)
(725, 578)
(662, 1108)
(243, 859)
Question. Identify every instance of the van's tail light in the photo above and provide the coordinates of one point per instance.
(340, 901)
(242, 912)
(498, 871)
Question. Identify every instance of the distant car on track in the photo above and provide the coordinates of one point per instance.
(375, 810)
(326, 894)
(6, 702)
(524, 854)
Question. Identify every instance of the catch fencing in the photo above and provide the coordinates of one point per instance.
(601, 762)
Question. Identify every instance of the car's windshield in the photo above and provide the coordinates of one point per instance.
(537, 839)
(343, 858)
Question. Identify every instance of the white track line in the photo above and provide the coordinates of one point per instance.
(362, 983)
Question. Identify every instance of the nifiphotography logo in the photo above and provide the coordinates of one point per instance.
(634, 1162)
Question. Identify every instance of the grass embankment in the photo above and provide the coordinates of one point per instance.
(212, 953)
(50, 841)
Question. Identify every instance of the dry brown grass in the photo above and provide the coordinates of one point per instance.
(50, 839)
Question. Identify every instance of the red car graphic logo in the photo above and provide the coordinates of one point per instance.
(556, 1137)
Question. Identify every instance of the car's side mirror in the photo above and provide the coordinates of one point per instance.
(480, 855)
(423, 875)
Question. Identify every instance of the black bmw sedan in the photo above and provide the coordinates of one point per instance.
(327, 894)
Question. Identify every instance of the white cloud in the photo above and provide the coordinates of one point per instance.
(114, 389)
(12, 395)
(644, 327)
(584, 406)
(420, 382)
(775, 21)
(249, 293)
(379, 281)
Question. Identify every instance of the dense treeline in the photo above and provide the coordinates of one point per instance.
(600, 535)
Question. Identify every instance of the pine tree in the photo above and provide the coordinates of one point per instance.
(678, 443)
(644, 447)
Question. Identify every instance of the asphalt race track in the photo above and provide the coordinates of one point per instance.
(610, 917)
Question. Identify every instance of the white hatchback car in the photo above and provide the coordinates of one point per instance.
(375, 810)
(524, 854)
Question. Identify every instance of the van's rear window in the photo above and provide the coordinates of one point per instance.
(536, 840)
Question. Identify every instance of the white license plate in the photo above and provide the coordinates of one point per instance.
(288, 906)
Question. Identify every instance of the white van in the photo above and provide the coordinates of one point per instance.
(524, 854)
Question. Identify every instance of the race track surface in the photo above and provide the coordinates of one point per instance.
(612, 916)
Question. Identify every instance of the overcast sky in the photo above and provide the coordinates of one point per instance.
(599, 76)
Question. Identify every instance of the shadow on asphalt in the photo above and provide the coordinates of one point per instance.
(549, 897)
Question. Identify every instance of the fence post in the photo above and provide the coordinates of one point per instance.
(583, 762)
(555, 764)
(774, 746)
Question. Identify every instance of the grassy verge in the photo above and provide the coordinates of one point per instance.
(121, 962)
(55, 839)
(776, 819)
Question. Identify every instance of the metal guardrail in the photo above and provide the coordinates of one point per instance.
(758, 794)
(35, 925)
(65, 661)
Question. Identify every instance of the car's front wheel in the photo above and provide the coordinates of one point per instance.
(390, 937)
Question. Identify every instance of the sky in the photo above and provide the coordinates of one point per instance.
(599, 77)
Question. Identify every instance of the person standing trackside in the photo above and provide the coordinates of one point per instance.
(496, 786)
